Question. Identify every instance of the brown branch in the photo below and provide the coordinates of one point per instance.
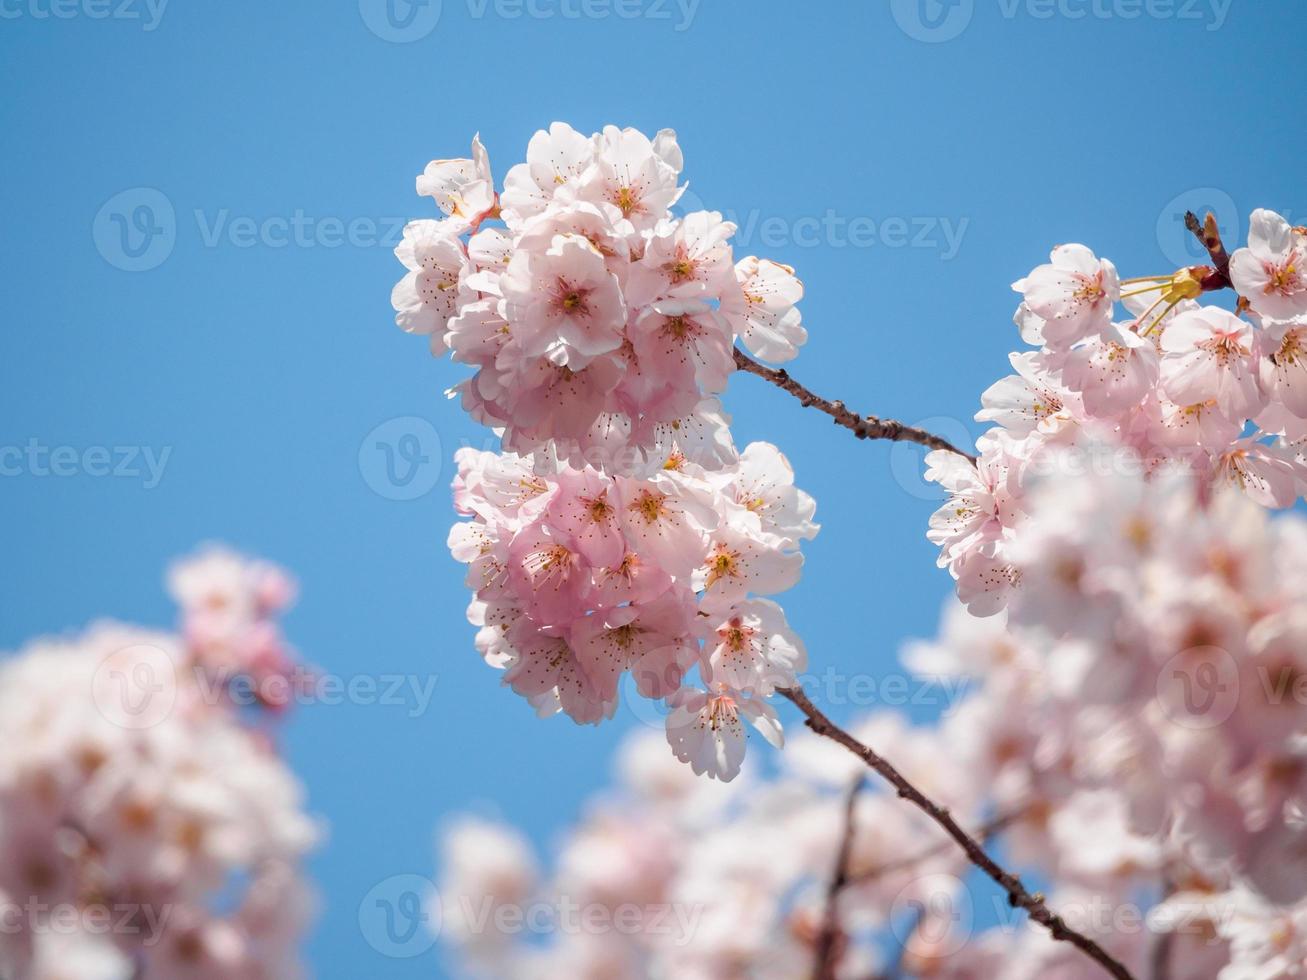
(1217, 276)
(828, 940)
(1018, 896)
(862, 426)
(1160, 967)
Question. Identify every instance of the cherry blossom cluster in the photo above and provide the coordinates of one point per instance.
(146, 832)
(1132, 731)
(600, 324)
(582, 579)
(1170, 381)
(1144, 705)
(620, 533)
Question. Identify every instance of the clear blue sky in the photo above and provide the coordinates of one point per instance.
(285, 138)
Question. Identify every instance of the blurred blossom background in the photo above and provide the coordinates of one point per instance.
(200, 204)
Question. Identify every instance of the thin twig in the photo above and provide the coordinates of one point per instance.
(1018, 896)
(862, 426)
(828, 940)
(1160, 968)
(1209, 234)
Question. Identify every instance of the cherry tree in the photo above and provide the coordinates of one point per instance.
(1132, 619)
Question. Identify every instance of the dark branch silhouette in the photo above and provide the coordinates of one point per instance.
(862, 426)
(1018, 896)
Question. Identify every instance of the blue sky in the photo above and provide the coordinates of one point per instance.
(200, 200)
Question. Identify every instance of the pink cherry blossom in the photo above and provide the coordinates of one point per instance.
(1284, 364)
(1263, 472)
(763, 311)
(431, 294)
(555, 161)
(755, 650)
(1201, 424)
(685, 259)
(1072, 295)
(981, 502)
(1111, 373)
(681, 348)
(463, 189)
(763, 484)
(706, 729)
(563, 304)
(652, 640)
(1272, 270)
(739, 561)
(633, 175)
(1207, 355)
(1031, 399)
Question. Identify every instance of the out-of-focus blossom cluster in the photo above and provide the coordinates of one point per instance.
(669, 876)
(600, 324)
(1132, 735)
(582, 578)
(1170, 382)
(621, 531)
(145, 831)
(1144, 704)
(229, 606)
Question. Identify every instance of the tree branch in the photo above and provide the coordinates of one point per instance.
(1018, 896)
(828, 940)
(862, 426)
(1209, 234)
(1161, 952)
